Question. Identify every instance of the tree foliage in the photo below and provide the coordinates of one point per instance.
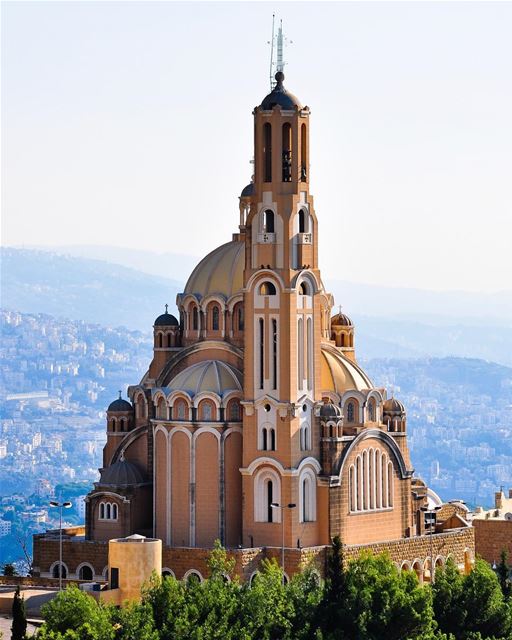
(19, 617)
(365, 599)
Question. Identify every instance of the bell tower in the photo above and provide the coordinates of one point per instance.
(286, 310)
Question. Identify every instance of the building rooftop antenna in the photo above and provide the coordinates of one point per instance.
(277, 44)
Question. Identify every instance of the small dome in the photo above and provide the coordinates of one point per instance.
(280, 96)
(120, 405)
(221, 272)
(247, 191)
(122, 474)
(330, 411)
(341, 320)
(211, 375)
(392, 405)
(166, 320)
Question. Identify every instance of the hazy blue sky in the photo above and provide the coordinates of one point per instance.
(130, 124)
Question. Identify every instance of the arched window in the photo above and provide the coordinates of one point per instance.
(274, 354)
(267, 289)
(267, 151)
(267, 489)
(268, 221)
(160, 340)
(353, 488)
(305, 437)
(195, 319)
(371, 411)
(108, 511)
(390, 484)
(102, 511)
(234, 411)
(215, 318)
(307, 498)
(365, 480)
(180, 410)
(206, 410)
(302, 221)
(240, 317)
(261, 364)
(270, 500)
(359, 483)
(85, 573)
(309, 351)
(272, 439)
(121, 424)
(59, 571)
(114, 511)
(350, 412)
(303, 159)
(287, 152)
(193, 577)
(113, 425)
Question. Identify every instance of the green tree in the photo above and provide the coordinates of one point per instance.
(9, 570)
(332, 613)
(448, 591)
(73, 613)
(305, 595)
(19, 617)
(486, 610)
(383, 602)
(266, 612)
(134, 622)
(502, 572)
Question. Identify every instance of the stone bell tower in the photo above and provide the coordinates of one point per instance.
(287, 312)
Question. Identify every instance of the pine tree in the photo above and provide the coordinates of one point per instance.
(19, 617)
(502, 571)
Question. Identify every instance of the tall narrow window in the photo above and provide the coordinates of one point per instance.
(240, 318)
(108, 514)
(303, 159)
(114, 512)
(274, 354)
(305, 501)
(309, 332)
(268, 221)
(267, 152)
(390, 484)
(300, 355)
(302, 221)
(215, 318)
(359, 482)
(262, 350)
(287, 153)
(102, 511)
(264, 441)
(272, 439)
(195, 319)
(270, 493)
(350, 412)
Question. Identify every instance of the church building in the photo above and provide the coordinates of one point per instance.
(255, 424)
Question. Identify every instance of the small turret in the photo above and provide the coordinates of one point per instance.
(166, 337)
(331, 428)
(342, 333)
(120, 420)
(394, 415)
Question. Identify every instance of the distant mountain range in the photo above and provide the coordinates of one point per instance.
(105, 288)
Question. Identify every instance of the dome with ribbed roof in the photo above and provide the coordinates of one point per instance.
(120, 405)
(211, 376)
(341, 320)
(220, 272)
(393, 406)
(330, 411)
(340, 374)
(122, 474)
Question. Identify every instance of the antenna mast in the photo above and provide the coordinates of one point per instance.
(277, 42)
(272, 53)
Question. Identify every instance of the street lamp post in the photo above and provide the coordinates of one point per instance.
(276, 505)
(60, 505)
(432, 513)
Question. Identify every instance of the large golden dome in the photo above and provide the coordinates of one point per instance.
(340, 374)
(221, 272)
